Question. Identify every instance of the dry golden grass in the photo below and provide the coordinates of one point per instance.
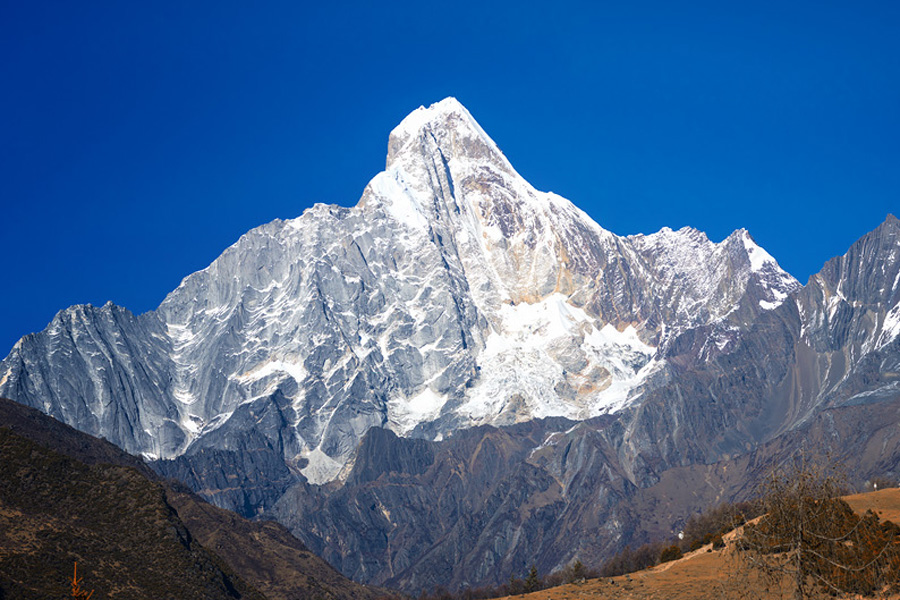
(885, 503)
(701, 575)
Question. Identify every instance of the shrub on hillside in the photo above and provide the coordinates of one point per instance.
(670, 553)
(704, 528)
(811, 537)
(629, 561)
(575, 572)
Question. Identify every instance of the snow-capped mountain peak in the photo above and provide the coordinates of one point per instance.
(453, 294)
(448, 124)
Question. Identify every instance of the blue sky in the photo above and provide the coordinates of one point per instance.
(141, 139)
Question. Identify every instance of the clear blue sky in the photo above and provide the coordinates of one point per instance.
(140, 139)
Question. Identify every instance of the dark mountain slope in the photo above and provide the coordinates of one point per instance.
(67, 496)
(112, 520)
(265, 553)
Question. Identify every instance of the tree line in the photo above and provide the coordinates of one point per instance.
(531, 581)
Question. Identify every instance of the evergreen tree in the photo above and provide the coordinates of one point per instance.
(532, 581)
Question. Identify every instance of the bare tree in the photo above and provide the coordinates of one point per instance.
(77, 592)
(810, 543)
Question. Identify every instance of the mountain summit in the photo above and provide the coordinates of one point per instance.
(479, 372)
(451, 126)
(453, 294)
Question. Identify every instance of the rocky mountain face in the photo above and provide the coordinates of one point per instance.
(462, 346)
(489, 502)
